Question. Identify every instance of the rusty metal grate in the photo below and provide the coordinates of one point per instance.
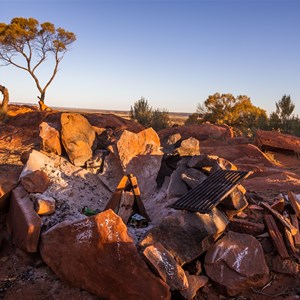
(205, 196)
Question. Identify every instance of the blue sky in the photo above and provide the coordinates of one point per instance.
(174, 53)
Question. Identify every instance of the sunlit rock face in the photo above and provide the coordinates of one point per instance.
(98, 255)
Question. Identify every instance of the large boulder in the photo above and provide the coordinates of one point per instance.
(186, 235)
(77, 138)
(98, 255)
(130, 145)
(50, 137)
(140, 154)
(237, 263)
(23, 223)
(275, 140)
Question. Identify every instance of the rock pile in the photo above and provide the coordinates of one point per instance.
(57, 209)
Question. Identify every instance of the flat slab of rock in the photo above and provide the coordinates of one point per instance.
(77, 137)
(187, 235)
(98, 255)
(165, 266)
(237, 263)
(276, 140)
(23, 223)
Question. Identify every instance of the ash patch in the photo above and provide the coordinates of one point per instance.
(73, 188)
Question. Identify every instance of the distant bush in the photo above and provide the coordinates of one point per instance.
(142, 112)
(194, 119)
(160, 119)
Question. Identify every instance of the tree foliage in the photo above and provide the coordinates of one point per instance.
(26, 44)
(283, 119)
(216, 108)
(142, 112)
(238, 112)
(194, 119)
(160, 119)
(285, 107)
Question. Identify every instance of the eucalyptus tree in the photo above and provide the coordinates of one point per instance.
(27, 44)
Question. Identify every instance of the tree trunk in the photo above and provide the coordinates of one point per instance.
(4, 104)
(43, 106)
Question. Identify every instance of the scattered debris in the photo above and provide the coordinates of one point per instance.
(79, 228)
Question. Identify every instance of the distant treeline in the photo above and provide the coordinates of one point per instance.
(237, 112)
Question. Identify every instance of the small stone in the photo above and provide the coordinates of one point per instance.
(43, 205)
(35, 182)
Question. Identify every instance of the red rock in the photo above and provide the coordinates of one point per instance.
(210, 162)
(113, 121)
(77, 138)
(193, 177)
(173, 139)
(130, 145)
(165, 266)
(237, 263)
(187, 235)
(50, 138)
(244, 226)
(35, 182)
(195, 283)
(98, 255)
(140, 154)
(177, 186)
(188, 147)
(199, 132)
(23, 223)
(8, 181)
(285, 266)
(277, 141)
(43, 205)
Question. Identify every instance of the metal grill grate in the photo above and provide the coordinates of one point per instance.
(205, 196)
